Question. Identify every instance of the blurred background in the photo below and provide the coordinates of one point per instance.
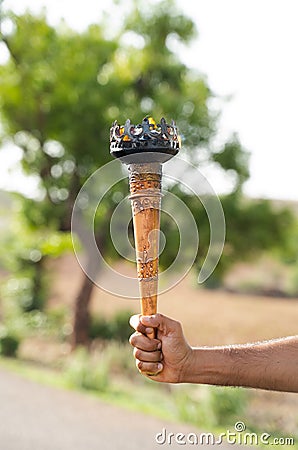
(226, 73)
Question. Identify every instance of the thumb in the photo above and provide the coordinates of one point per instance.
(163, 323)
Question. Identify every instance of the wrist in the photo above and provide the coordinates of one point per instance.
(208, 366)
(186, 365)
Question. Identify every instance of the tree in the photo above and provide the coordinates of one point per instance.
(54, 110)
(61, 90)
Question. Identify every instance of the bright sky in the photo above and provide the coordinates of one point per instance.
(247, 50)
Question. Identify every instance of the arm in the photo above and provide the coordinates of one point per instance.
(271, 365)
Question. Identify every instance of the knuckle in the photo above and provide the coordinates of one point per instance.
(132, 339)
(140, 328)
(153, 369)
(157, 356)
(151, 346)
(137, 353)
(179, 325)
(157, 344)
(176, 326)
(139, 364)
(136, 338)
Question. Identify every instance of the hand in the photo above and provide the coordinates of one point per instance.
(165, 358)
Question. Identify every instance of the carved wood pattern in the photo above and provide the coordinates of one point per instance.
(145, 189)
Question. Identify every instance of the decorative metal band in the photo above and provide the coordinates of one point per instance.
(143, 203)
(147, 270)
(144, 176)
(140, 181)
(145, 188)
(146, 255)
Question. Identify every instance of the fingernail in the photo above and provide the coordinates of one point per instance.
(159, 366)
(159, 346)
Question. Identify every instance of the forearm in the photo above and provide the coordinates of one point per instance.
(267, 365)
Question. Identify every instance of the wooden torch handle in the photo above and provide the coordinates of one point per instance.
(145, 190)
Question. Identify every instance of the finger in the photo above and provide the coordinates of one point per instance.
(134, 321)
(163, 323)
(147, 356)
(147, 368)
(142, 342)
(138, 326)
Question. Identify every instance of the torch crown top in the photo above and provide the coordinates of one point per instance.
(148, 137)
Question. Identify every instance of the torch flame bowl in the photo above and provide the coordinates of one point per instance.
(145, 142)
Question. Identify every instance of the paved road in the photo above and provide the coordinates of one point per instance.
(37, 417)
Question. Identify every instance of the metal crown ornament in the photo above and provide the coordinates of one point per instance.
(130, 140)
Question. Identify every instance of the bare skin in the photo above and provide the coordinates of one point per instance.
(271, 365)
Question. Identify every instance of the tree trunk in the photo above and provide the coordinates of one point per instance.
(80, 334)
(81, 314)
(38, 288)
(75, 186)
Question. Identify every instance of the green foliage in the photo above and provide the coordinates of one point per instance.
(100, 328)
(57, 322)
(227, 404)
(96, 370)
(157, 24)
(263, 226)
(293, 282)
(61, 90)
(85, 373)
(209, 405)
(121, 329)
(26, 253)
(233, 158)
(188, 409)
(158, 81)
(252, 227)
(118, 357)
(114, 328)
(51, 324)
(9, 342)
(9, 345)
(53, 107)
(27, 291)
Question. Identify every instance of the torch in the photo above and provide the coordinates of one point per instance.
(144, 148)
